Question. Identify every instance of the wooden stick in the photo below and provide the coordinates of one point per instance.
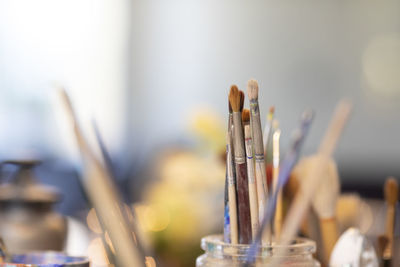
(227, 227)
(104, 197)
(252, 183)
(303, 198)
(391, 196)
(278, 210)
(233, 218)
(267, 131)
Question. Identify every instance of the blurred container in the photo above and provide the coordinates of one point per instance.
(220, 254)
(46, 259)
(27, 219)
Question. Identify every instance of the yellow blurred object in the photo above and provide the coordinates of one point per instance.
(153, 218)
(209, 126)
(181, 205)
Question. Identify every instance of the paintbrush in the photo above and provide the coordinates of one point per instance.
(261, 177)
(268, 131)
(233, 218)
(324, 200)
(128, 213)
(287, 165)
(382, 244)
(391, 191)
(303, 199)
(227, 227)
(104, 197)
(241, 168)
(250, 173)
(276, 150)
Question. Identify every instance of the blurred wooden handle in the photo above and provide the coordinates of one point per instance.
(330, 234)
(389, 229)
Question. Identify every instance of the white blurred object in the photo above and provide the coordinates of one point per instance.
(78, 238)
(353, 249)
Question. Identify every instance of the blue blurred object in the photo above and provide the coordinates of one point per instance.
(46, 259)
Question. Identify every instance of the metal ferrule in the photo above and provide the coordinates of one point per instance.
(238, 138)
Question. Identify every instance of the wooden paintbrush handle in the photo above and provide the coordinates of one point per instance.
(389, 230)
(278, 216)
(330, 234)
(233, 214)
(243, 204)
(262, 189)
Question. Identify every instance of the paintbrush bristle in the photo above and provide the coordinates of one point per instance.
(241, 100)
(247, 131)
(252, 89)
(391, 190)
(230, 107)
(272, 109)
(234, 98)
(246, 116)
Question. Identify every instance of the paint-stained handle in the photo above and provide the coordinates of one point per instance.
(243, 204)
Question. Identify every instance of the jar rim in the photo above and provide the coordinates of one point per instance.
(215, 244)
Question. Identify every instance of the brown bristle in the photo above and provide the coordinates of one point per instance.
(391, 190)
(245, 116)
(230, 107)
(272, 109)
(234, 98)
(241, 100)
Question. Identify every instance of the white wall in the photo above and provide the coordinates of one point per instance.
(304, 53)
(80, 44)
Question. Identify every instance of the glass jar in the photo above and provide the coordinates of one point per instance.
(220, 254)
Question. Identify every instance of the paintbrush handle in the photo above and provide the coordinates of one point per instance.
(262, 189)
(278, 219)
(252, 188)
(233, 219)
(330, 234)
(389, 230)
(232, 202)
(243, 204)
(253, 209)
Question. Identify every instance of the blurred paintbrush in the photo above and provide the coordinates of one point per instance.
(127, 212)
(286, 167)
(303, 198)
(104, 197)
(391, 191)
(276, 156)
(324, 200)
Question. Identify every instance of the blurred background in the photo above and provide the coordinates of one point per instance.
(155, 76)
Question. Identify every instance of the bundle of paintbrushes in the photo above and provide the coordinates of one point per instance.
(248, 153)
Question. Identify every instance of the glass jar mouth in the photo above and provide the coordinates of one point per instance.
(214, 244)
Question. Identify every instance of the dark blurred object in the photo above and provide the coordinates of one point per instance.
(27, 219)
